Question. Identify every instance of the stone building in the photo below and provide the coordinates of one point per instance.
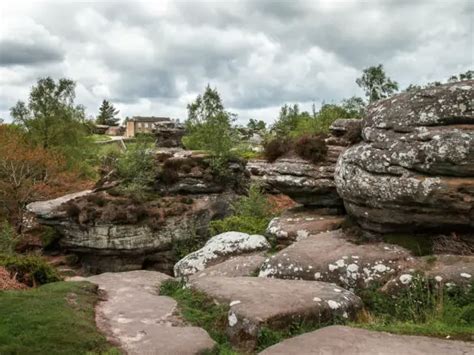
(140, 124)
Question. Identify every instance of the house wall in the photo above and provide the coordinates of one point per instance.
(130, 132)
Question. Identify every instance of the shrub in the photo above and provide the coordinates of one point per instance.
(311, 147)
(275, 148)
(8, 238)
(29, 269)
(72, 210)
(48, 236)
(245, 224)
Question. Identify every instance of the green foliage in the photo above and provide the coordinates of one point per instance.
(52, 121)
(48, 236)
(192, 242)
(30, 269)
(419, 246)
(288, 120)
(354, 106)
(254, 126)
(200, 311)
(136, 167)
(8, 238)
(252, 214)
(468, 75)
(244, 224)
(107, 113)
(376, 84)
(54, 319)
(424, 307)
(209, 126)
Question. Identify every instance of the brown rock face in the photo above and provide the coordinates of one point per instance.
(414, 169)
(353, 341)
(307, 183)
(169, 134)
(256, 302)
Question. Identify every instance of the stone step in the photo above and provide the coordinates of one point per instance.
(331, 257)
(142, 322)
(352, 341)
(257, 302)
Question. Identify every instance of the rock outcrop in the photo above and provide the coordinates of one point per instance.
(307, 183)
(136, 317)
(259, 302)
(414, 169)
(219, 248)
(169, 134)
(331, 257)
(346, 340)
(241, 265)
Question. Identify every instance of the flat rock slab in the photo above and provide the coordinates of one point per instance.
(242, 265)
(141, 321)
(45, 209)
(330, 257)
(256, 302)
(337, 340)
(298, 223)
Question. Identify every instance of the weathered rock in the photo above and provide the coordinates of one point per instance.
(242, 265)
(307, 183)
(115, 234)
(186, 172)
(217, 249)
(330, 257)
(46, 209)
(256, 302)
(142, 322)
(353, 341)
(415, 167)
(298, 223)
(169, 134)
(345, 132)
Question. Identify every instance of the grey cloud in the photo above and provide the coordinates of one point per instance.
(16, 53)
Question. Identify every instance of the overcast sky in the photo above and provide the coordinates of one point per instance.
(154, 58)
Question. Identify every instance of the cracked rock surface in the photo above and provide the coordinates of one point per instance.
(255, 302)
(142, 322)
(346, 340)
(415, 167)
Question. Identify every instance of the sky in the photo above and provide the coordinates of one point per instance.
(152, 58)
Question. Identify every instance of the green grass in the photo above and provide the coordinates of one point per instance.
(421, 309)
(98, 138)
(202, 312)
(57, 318)
(419, 245)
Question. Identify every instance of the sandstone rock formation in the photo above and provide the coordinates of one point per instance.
(346, 340)
(330, 257)
(169, 134)
(307, 183)
(218, 248)
(298, 223)
(241, 265)
(414, 169)
(257, 302)
(134, 315)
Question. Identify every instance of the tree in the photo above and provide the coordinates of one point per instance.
(52, 120)
(376, 84)
(107, 113)
(288, 119)
(255, 126)
(28, 173)
(209, 125)
(468, 75)
(354, 106)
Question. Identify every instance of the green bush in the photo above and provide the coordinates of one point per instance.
(252, 214)
(8, 238)
(29, 269)
(275, 148)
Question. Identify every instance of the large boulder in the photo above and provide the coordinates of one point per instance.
(307, 183)
(332, 257)
(346, 340)
(256, 303)
(219, 248)
(414, 169)
(169, 133)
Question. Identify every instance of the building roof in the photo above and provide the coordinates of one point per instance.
(149, 119)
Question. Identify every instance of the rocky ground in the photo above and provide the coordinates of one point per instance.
(357, 230)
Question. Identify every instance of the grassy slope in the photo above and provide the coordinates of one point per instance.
(57, 318)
